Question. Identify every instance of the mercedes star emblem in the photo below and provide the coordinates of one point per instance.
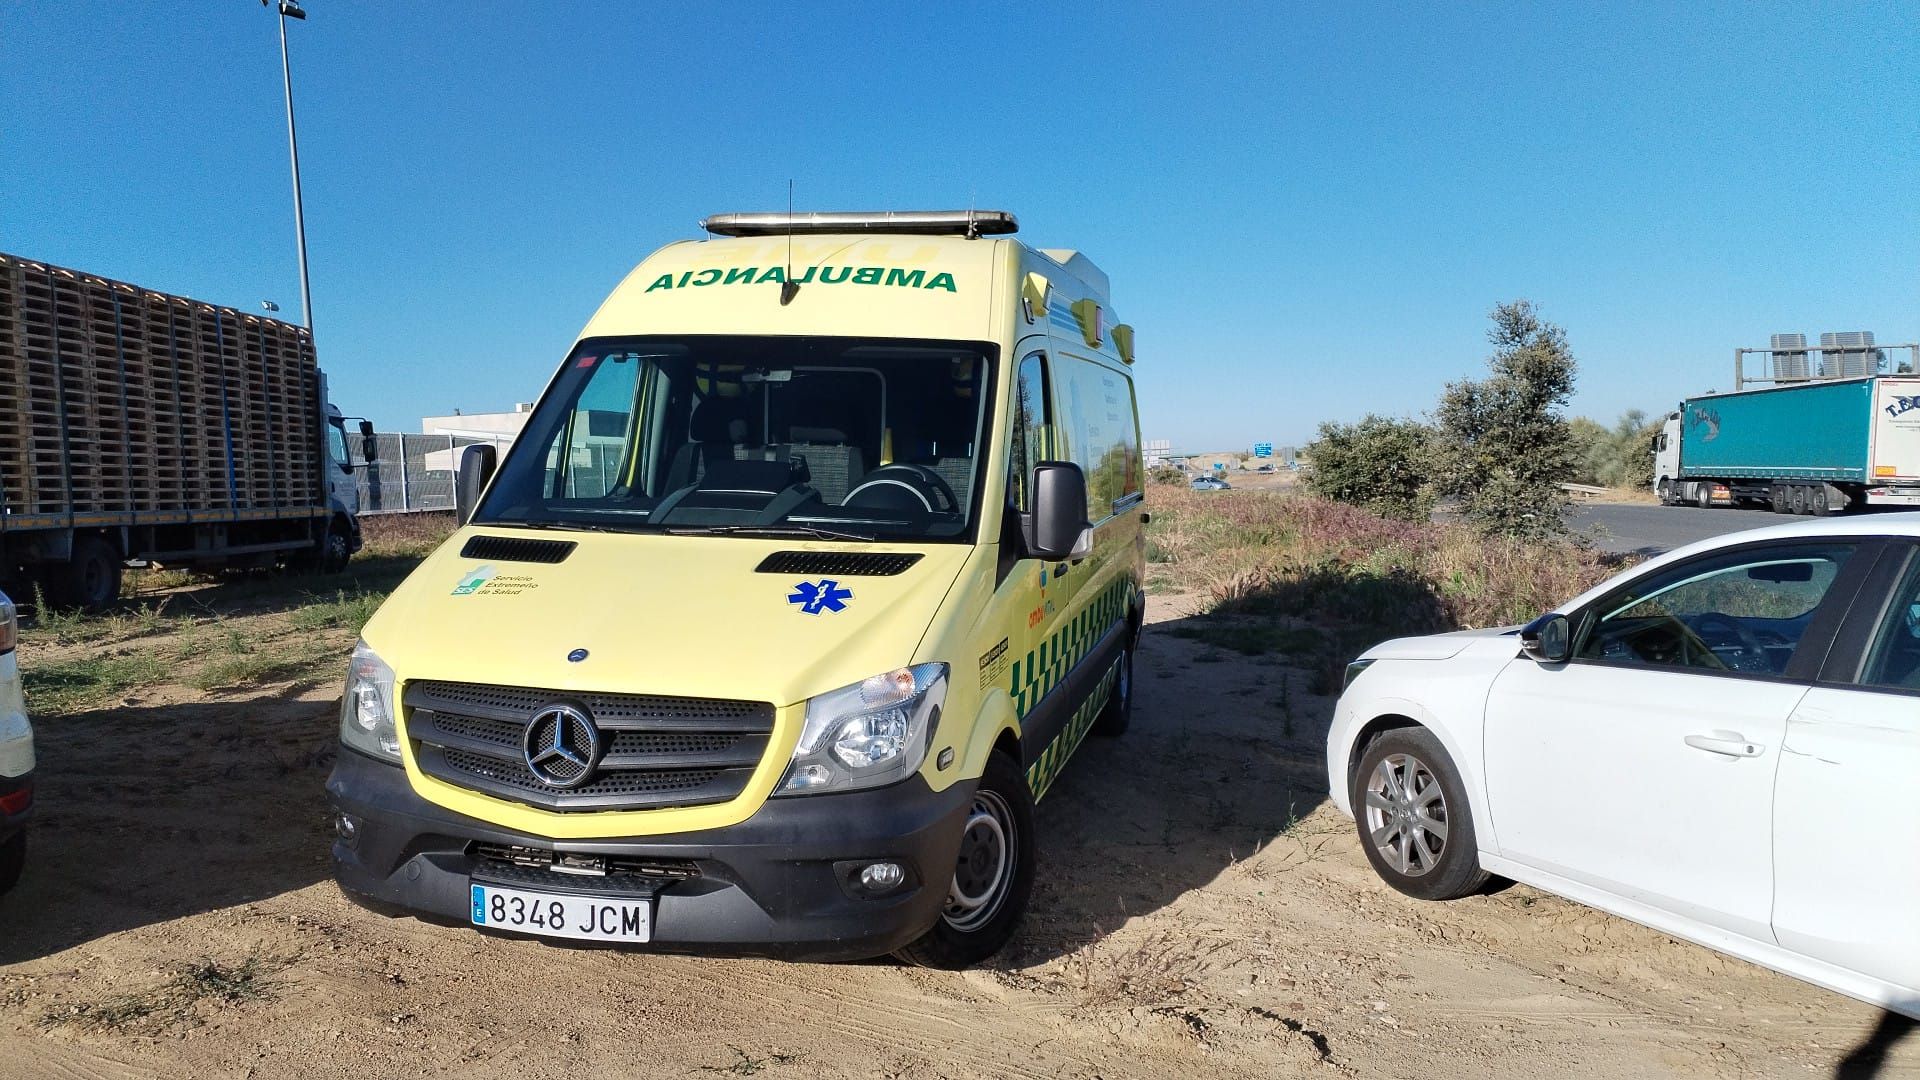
(562, 746)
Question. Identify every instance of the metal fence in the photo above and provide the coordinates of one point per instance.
(408, 473)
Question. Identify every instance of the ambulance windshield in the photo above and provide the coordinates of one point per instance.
(846, 438)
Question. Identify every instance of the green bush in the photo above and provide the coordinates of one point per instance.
(1378, 464)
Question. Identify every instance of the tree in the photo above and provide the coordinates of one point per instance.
(1378, 463)
(1502, 448)
(1620, 456)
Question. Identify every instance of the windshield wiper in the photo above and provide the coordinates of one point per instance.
(769, 530)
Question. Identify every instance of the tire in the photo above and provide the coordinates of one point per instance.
(1665, 491)
(13, 859)
(1703, 495)
(329, 556)
(90, 578)
(1777, 499)
(1418, 861)
(1117, 713)
(968, 933)
(1819, 503)
(1797, 499)
(335, 550)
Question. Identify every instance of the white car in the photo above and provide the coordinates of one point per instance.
(1721, 744)
(1209, 483)
(16, 754)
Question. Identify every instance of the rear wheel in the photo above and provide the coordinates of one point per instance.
(13, 858)
(90, 579)
(1411, 810)
(1796, 499)
(992, 878)
(1703, 495)
(1819, 504)
(1117, 713)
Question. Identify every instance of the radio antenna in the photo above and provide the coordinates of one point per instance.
(789, 288)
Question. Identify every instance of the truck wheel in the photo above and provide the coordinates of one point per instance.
(1777, 499)
(1797, 499)
(993, 878)
(1703, 495)
(335, 550)
(1665, 491)
(13, 859)
(1117, 713)
(90, 579)
(1819, 503)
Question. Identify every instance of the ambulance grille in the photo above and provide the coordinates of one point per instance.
(657, 751)
(837, 563)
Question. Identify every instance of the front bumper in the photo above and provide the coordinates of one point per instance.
(779, 884)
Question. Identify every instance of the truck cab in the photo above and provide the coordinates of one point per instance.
(812, 567)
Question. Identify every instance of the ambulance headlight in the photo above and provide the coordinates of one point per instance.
(871, 733)
(366, 709)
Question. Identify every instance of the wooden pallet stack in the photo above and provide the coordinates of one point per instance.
(121, 401)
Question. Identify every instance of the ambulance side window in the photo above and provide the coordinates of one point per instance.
(1031, 416)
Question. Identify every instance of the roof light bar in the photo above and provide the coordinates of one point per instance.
(968, 223)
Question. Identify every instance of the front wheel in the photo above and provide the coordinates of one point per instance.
(1415, 825)
(992, 878)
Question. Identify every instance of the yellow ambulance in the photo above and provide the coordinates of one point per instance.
(818, 557)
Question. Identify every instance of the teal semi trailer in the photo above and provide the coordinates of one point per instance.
(1817, 447)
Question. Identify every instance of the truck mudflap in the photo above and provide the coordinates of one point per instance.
(784, 883)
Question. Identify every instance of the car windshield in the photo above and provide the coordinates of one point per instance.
(843, 438)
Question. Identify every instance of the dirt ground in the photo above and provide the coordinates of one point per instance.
(1200, 912)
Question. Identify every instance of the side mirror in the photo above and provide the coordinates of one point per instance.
(476, 468)
(1547, 639)
(1057, 528)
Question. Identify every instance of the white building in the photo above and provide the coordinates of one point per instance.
(500, 428)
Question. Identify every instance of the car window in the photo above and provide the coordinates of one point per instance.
(1741, 611)
(1894, 659)
(1031, 441)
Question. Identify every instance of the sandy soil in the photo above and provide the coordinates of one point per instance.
(1201, 911)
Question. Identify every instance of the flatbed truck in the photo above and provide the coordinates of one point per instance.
(143, 428)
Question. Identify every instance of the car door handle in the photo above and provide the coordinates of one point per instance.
(1729, 743)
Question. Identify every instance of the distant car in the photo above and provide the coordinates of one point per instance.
(1264, 468)
(1209, 483)
(16, 754)
(1720, 744)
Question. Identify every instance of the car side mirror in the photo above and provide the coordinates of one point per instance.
(476, 468)
(1058, 529)
(1547, 639)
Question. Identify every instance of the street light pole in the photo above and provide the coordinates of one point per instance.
(287, 10)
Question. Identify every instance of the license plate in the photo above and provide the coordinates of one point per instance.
(589, 918)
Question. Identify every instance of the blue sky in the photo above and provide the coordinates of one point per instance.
(1305, 211)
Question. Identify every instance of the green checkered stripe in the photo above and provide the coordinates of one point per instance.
(1050, 661)
(1041, 774)
(1045, 665)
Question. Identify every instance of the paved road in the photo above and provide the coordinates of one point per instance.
(1647, 529)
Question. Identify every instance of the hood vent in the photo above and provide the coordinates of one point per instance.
(516, 549)
(837, 563)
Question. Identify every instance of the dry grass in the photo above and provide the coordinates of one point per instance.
(1281, 573)
(219, 634)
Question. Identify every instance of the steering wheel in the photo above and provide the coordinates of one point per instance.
(1751, 647)
(915, 478)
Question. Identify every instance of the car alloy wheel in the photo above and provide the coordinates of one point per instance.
(1406, 814)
